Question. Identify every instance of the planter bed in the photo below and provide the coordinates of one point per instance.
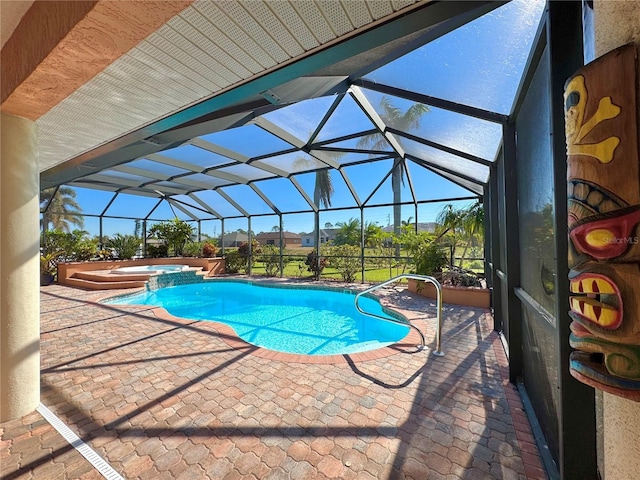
(467, 296)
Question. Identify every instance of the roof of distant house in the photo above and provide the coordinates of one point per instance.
(274, 235)
(235, 236)
(324, 232)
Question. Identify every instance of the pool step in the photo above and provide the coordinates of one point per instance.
(103, 285)
(104, 280)
(106, 276)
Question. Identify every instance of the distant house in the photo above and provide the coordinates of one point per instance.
(233, 239)
(289, 239)
(326, 235)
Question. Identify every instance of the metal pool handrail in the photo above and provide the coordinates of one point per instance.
(438, 351)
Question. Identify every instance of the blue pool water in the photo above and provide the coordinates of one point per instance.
(295, 320)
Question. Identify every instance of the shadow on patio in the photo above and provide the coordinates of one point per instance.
(170, 399)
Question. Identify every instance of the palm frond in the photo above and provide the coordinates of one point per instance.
(63, 211)
(411, 118)
(323, 190)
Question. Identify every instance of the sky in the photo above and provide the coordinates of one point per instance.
(479, 65)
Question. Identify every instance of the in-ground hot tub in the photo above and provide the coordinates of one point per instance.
(149, 269)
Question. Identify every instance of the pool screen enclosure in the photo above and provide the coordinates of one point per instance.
(452, 102)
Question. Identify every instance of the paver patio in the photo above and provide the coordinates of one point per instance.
(163, 398)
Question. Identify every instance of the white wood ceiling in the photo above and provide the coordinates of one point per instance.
(207, 49)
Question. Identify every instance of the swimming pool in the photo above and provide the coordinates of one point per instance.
(148, 269)
(287, 319)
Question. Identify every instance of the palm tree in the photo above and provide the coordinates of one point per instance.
(468, 221)
(373, 234)
(472, 224)
(62, 209)
(323, 189)
(410, 119)
(349, 232)
(408, 225)
(408, 222)
(449, 218)
(448, 221)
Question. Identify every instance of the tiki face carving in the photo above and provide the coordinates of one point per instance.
(611, 237)
(603, 188)
(602, 298)
(577, 127)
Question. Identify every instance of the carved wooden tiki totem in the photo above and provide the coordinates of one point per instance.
(603, 178)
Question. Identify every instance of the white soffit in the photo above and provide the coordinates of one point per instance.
(207, 48)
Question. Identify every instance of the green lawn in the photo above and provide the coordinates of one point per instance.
(376, 269)
(298, 269)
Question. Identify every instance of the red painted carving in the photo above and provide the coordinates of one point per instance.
(603, 187)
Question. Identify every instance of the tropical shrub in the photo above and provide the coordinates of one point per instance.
(77, 247)
(85, 249)
(173, 233)
(204, 249)
(243, 250)
(125, 246)
(157, 251)
(271, 259)
(346, 259)
(256, 248)
(385, 257)
(48, 267)
(209, 249)
(316, 265)
(429, 259)
(428, 256)
(234, 261)
(193, 249)
(104, 254)
(49, 262)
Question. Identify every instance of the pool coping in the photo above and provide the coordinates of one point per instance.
(409, 344)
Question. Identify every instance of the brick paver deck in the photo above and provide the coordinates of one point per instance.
(163, 398)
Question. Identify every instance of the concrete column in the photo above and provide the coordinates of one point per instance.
(616, 24)
(19, 268)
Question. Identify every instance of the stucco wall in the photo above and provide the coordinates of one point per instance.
(19, 268)
(618, 23)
